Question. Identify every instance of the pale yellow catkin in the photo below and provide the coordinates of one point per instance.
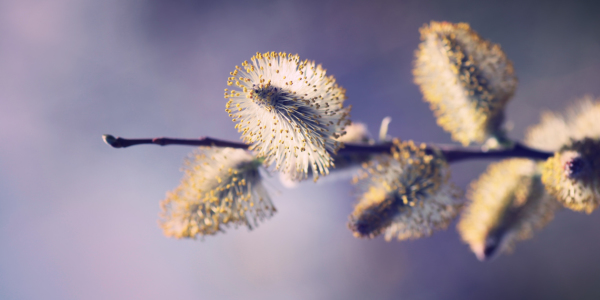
(221, 187)
(573, 137)
(572, 175)
(405, 195)
(556, 130)
(506, 204)
(466, 79)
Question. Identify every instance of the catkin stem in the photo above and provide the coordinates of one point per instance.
(451, 153)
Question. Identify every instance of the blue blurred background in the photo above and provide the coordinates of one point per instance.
(78, 219)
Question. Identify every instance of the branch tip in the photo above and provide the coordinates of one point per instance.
(110, 140)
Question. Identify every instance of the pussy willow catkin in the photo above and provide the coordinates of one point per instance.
(287, 107)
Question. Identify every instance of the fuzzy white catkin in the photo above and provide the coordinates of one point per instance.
(221, 187)
(288, 108)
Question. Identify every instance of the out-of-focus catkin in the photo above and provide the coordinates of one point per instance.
(405, 195)
(221, 187)
(466, 79)
(506, 204)
(572, 175)
(557, 130)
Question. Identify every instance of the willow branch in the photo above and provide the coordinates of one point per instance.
(454, 154)
(450, 152)
(119, 142)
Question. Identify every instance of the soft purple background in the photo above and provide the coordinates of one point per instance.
(78, 219)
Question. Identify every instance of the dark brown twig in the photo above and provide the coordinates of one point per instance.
(452, 153)
(118, 142)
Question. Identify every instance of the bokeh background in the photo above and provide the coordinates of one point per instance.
(78, 220)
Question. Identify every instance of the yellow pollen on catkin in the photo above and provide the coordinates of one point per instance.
(211, 197)
(405, 195)
(266, 93)
(466, 80)
(572, 175)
